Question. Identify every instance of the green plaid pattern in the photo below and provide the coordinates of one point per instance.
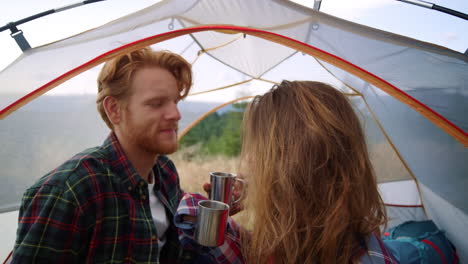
(94, 208)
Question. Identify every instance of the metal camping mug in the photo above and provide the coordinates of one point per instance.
(211, 223)
(222, 184)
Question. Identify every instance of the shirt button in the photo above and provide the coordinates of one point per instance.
(153, 237)
(129, 188)
(142, 183)
(143, 197)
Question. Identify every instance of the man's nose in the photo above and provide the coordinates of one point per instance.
(173, 112)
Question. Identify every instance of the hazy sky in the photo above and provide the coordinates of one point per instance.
(389, 15)
(406, 19)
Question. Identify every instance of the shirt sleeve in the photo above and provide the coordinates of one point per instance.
(228, 253)
(50, 228)
(377, 252)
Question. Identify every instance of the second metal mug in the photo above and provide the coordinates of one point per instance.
(211, 223)
(222, 184)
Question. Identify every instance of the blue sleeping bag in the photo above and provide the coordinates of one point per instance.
(420, 242)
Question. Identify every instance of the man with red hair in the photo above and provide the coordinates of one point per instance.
(115, 203)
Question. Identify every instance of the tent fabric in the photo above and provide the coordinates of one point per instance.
(369, 77)
(434, 157)
(357, 44)
(428, 81)
(402, 193)
(402, 202)
(448, 218)
(400, 214)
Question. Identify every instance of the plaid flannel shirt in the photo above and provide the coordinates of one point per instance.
(94, 209)
(373, 250)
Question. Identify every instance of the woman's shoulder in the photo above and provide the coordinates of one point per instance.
(376, 252)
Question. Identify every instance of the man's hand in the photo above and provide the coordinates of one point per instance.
(235, 208)
(189, 218)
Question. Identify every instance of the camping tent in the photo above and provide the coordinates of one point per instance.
(412, 95)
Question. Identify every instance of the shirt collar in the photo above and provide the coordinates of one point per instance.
(120, 164)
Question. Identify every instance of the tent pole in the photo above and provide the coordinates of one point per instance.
(436, 7)
(18, 34)
(317, 4)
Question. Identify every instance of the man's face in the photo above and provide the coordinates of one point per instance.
(151, 116)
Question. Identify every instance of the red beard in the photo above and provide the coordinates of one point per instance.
(151, 140)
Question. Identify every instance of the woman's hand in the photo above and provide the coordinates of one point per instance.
(236, 207)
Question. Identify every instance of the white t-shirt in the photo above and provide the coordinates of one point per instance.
(159, 217)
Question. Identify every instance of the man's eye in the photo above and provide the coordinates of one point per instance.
(156, 104)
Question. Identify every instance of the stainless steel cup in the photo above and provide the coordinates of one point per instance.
(222, 184)
(211, 223)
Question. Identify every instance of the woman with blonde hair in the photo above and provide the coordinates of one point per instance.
(312, 195)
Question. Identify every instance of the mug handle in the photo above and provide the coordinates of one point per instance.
(244, 186)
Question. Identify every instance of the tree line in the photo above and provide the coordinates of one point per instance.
(218, 134)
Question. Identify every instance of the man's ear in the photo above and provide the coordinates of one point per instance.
(112, 108)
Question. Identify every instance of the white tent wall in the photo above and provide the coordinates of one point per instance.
(402, 201)
(398, 214)
(7, 233)
(452, 220)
